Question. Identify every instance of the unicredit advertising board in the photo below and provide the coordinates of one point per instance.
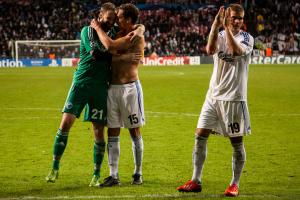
(171, 60)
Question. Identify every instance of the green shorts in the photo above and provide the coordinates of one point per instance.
(91, 95)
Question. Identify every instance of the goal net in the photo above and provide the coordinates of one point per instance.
(46, 49)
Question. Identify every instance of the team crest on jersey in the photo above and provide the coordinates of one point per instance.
(93, 44)
(68, 105)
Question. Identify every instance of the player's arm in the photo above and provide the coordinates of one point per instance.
(110, 44)
(233, 47)
(90, 44)
(211, 46)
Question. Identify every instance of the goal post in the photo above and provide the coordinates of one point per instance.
(46, 49)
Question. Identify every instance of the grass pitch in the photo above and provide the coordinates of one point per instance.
(31, 100)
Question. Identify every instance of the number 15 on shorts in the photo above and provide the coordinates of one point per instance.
(133, 119)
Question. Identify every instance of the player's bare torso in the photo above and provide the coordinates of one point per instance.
(124, 70)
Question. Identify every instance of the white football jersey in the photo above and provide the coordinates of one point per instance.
(230, 74)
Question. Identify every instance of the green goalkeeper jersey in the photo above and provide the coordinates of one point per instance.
(90, 69)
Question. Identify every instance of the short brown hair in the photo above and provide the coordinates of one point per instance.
(107, 6)
(130, 10)
(236, 8)
(104, 8)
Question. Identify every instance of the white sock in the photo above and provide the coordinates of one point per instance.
(113, 149)
(199, 156)
(138, 149)
(238, 161)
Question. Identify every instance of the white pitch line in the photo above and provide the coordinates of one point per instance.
(169, 113)
(28, 118)
(7, 108)
(172, 113)
(163, 196)
(196, 115)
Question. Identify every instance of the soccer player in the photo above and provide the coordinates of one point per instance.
(125, 95)
(225, 109)
(89, 88)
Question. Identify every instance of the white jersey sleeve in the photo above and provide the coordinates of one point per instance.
(230, 73)
(246, 42)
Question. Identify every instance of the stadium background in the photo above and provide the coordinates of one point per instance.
(31, 99)
(173, 27)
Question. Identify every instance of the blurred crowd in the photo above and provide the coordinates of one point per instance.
(172, 32)
(276, 26)
(173, 27)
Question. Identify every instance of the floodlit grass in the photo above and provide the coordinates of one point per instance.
(32, 98)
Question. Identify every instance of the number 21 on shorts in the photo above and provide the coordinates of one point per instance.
(97, 114)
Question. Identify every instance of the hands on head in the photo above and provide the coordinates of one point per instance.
(223, 17)
(227, 18)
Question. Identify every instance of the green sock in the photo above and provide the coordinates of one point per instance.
(99, 150)
(59, 146)
(55, 164)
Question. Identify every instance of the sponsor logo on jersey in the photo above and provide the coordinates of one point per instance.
(226, 57)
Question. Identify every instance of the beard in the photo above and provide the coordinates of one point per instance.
(106, 26)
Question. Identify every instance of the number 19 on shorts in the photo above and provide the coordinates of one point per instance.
(235, 127)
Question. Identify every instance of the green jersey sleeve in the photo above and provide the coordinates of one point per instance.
(92, 44)
(88, 38)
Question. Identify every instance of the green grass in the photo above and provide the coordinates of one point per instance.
(31, 100)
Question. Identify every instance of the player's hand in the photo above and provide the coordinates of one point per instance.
(133, 57)
(136, 57)
(95, 24)
(135, 36)
(220, 16)
(227, 18)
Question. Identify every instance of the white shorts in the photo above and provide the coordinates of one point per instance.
(125, 106)
(227, 118)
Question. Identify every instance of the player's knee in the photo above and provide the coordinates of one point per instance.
(67, 122)
(135, 132)
(65, 127)
(202, 132)
(113, 132)
(98, 128)
(236, 140)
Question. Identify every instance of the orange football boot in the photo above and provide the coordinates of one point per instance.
(190, 186)
(232, 191)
